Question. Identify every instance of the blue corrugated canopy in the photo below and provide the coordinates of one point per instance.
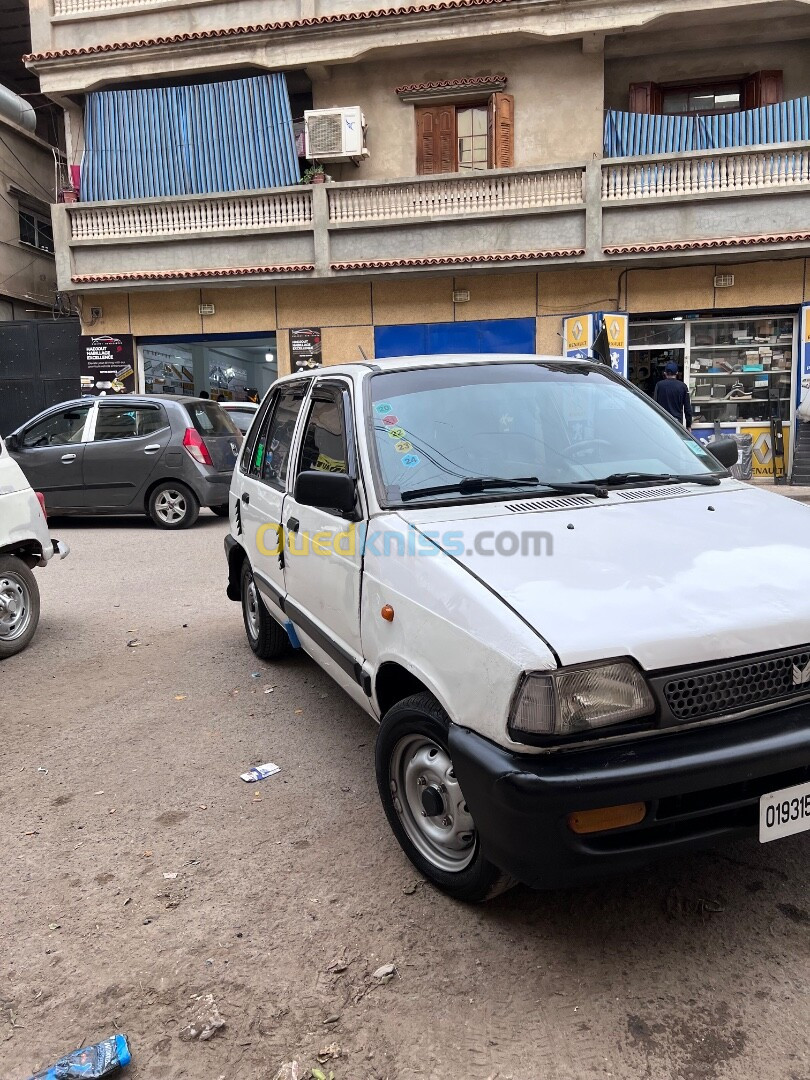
(640, 134)
(189, 140)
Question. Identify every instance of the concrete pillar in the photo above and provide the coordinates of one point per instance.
(320, 228)
(199, 367)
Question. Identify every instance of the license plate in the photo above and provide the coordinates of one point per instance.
(784, 813)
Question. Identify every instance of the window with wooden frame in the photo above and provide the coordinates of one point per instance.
(708, 96)
(466, 137)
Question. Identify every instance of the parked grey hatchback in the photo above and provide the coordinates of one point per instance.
(130, 454)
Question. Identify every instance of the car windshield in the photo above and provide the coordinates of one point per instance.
(470, 426)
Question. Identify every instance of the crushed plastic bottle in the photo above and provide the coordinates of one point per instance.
(91, 1062)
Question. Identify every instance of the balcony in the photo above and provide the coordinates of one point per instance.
(667, 207)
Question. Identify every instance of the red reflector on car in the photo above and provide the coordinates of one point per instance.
(195, 444)
(41, 500)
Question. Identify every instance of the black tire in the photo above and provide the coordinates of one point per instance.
(266, 638)
(222, 511)
(19, 605)
(409, 722)
(173, 506)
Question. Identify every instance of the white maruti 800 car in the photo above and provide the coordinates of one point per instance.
(24, 544)
(587, 644)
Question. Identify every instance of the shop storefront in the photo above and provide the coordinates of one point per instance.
(234, 367)
(741, 371)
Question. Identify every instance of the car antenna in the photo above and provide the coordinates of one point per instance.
(362, 353)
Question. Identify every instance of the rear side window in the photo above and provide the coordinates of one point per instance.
(128, 422)
(209, 419)
(271, 452)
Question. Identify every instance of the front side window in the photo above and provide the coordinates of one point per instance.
(128, 421)
(324, 444)
(36, 230)
(554, 423)
(58, 429)
(271, 452)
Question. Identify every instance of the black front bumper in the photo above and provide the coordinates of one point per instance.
(699, 786)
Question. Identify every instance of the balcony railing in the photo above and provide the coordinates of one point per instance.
(705, 172)
(173, 217)
(431, 198)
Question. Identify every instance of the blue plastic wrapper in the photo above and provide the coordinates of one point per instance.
(91, 1062)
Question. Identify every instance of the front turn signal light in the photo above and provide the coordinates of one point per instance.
(606, 818)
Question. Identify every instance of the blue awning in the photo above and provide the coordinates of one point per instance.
(189, 140)
(640, 134)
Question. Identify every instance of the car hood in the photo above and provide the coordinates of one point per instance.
(709, 574)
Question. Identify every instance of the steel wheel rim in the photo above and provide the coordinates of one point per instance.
(448, 838)
(251, 606)
(15, 607)
(170, 506)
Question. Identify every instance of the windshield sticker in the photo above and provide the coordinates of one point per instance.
(403, 447)
(696, 448)
(410, 461)
(383, 409)
(259, 456)
(390, 420)
(396, 432)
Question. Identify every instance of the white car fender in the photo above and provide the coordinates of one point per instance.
(472, 647)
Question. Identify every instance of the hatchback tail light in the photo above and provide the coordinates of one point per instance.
(41, 500)
(195, 444)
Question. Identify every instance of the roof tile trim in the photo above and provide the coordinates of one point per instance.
(189, 275)
(459, 260)
(699, 245)
(265, 28)
(453, 84)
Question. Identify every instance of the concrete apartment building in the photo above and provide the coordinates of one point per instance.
(527, 165)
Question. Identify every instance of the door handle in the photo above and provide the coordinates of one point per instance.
(67, 458)
(152, 448)
(245, 497)
(293, 524)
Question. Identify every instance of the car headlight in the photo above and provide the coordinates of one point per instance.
(580, 699)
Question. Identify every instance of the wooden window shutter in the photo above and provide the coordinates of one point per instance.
(435, 139)
(502, 131)
(762, 88)
(646, 97)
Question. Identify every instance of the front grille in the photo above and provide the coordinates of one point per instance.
(735, 687)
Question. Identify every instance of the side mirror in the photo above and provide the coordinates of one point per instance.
(12, 442)
(327, 491)
(725, 450)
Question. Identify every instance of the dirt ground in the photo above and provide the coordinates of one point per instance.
(140, 873)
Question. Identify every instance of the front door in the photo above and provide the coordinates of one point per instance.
(50, 453)
(324, 550)
(126, 445)
(265, 464)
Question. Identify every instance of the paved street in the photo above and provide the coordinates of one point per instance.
(140, 871)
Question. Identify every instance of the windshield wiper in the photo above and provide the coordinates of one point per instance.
(473, 485)
(619, 478)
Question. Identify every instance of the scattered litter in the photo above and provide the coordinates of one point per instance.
(170, 876)
(133, 643)
(54, 926)
(330, 1053)
(185, 625)
(299, 712)
(92, 1062)
(98, 792)
(207, 1020)
(319, 1074)
(290, 1070)
(147, 854)
(180, 697)
(269, 689)
(111, 811)
(42, 769)
(202, 806)
(385, 973)
(128, 901)
(333, 1019)
(255, 674)
(260, 772)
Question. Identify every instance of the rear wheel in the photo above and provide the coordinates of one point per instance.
(19, 605)
(265, 637)
(173, 506)
(424, 803)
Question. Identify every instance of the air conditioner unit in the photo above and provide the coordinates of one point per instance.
(335, 134)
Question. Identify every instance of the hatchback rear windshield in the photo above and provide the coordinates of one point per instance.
(209, 419)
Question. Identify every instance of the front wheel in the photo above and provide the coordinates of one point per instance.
(173, 506)
(19, 605)
(425, 806)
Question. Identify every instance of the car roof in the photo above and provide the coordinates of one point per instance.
(360, 368)
(238, 404)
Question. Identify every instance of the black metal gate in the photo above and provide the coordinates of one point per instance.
(39, 366)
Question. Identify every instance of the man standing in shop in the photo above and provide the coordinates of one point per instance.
(673, 396)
